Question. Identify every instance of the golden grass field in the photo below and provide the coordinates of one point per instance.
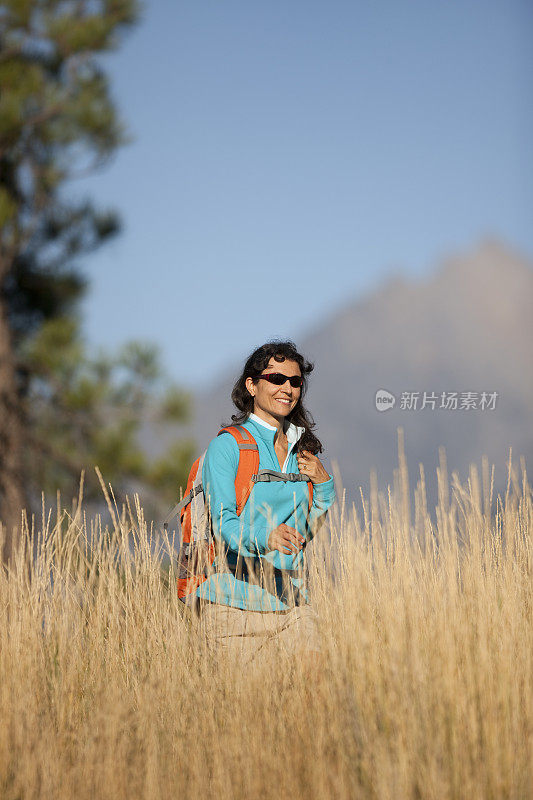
(425, 691)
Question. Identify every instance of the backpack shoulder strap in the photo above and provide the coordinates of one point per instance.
(248, 463)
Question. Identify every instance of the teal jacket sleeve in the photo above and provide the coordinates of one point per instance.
(323, 499)
(218, 478)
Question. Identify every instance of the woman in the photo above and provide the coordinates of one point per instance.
(257, 593)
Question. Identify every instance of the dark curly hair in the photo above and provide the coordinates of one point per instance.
(254, 366)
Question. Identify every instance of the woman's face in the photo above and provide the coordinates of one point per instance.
(271, 400)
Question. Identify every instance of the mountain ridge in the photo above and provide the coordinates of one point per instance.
(464, 327)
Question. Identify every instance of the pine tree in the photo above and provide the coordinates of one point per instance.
(86, 410)
(57, 121)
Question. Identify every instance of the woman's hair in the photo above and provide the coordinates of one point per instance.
(254, 366)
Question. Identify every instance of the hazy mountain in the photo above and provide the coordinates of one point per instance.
(467, 327)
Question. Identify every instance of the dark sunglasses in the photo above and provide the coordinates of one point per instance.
(278, 379)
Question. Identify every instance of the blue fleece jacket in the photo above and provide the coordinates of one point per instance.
(269, 505)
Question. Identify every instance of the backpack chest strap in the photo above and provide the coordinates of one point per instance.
(268, 475)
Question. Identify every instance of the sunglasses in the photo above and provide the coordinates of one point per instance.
(278, 379)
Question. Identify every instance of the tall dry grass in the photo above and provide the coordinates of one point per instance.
(425, 690)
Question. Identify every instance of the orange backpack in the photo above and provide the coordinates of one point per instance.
(198, 545)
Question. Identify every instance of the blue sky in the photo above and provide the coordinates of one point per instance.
(288, 156)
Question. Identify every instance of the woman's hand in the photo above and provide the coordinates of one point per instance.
(285, 539)
(310, 465)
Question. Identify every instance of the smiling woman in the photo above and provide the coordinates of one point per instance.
(257, 593)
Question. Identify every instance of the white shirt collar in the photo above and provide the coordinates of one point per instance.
(293, 432)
